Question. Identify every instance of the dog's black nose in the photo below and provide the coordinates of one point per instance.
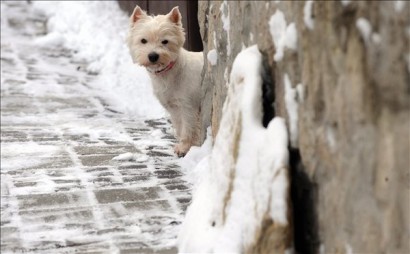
(153, 57)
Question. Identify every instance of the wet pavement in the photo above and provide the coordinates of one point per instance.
(61, 192)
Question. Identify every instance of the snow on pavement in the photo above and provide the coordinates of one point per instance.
(63, 120)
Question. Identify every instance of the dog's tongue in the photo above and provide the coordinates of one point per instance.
(167, 68)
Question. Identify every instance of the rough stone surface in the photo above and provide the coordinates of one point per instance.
(353, 112)
(60, 190)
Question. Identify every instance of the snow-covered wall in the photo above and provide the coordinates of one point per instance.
(340, 74)
(241, 201)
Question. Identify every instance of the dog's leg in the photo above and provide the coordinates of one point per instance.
(175, 114)
(176, 124)
(189, 132)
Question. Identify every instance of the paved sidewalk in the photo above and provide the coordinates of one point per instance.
(61, 192)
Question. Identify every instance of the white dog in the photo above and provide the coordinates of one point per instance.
(156, 43)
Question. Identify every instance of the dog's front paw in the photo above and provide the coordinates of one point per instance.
(181, 149)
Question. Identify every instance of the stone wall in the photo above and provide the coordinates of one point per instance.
(348, 75)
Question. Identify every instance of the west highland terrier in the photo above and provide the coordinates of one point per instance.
(156, 43)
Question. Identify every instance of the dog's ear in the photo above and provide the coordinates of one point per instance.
(175, 16)
(137, 14)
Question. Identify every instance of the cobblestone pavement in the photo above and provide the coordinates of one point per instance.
(61, 192)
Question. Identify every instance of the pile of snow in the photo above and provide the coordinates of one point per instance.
(244, 179)
(283, 36)
(197, 159)
(96, 31)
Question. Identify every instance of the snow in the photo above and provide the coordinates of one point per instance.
(97, 31)
(300, 89)
(399, 5)
(292, 105)
(330, 137)
(212, 56)
(197, 156)
(366, 31)
(11, 155)
(138, 157)
(157, 133)
(348, 248)
(365, 28)
(291, 36)
(307, 15)
(227, 207)
(283, 36)
(224, 9)
(322, 249)
(124, 157)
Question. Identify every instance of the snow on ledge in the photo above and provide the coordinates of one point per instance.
(245, 178)
(226, 24)
(283, 36)
(292, 105)
(307, 15)
(365, 28)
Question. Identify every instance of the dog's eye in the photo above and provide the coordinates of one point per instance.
(164, 42)
(143, 41)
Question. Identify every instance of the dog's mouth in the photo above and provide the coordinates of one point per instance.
(160, 68)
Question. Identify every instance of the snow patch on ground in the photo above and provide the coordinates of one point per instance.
(307, 15)
(283, 36)
(131, 157)
(197, 160)
(96, 30)
(16, 156)
(244, 153)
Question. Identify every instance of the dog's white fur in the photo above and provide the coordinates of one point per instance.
(179, 88)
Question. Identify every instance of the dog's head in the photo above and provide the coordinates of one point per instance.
(155, 41)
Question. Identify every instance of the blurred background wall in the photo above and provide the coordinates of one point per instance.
(189, 12)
